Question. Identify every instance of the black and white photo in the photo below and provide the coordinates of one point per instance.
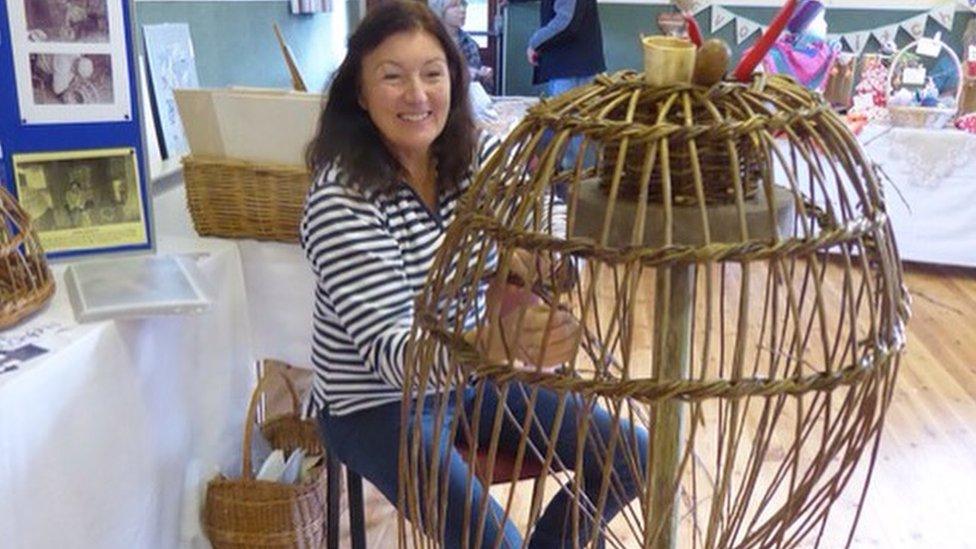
(70, 61)
(71, 79)
(67, 20)
(81, 198)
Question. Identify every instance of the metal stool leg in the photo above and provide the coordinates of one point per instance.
(357, 522)
(332, 502)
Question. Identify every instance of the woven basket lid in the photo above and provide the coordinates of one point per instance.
(26, 283)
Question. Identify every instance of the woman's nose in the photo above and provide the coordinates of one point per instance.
(416, 91)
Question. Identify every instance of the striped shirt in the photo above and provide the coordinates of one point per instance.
(370, 253)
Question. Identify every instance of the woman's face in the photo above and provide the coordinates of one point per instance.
(454, 14)
(406, 89)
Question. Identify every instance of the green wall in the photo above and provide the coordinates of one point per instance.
(235, 44)
(623, 23)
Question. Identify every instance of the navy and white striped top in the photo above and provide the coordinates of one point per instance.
(370, 253)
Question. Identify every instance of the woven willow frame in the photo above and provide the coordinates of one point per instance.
(792, 340)
(26, 283)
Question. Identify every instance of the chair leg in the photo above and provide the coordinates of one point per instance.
(357, 521)
(332, 501)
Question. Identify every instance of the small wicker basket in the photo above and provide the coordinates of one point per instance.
(921, 117)
(915, 116)
(237, 199)
(26, 283)
(244, 513)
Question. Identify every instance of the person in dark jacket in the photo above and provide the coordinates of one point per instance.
(567, 49)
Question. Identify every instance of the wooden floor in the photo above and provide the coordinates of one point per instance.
(923, 493)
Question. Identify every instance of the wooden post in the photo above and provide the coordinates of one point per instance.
(673, 311)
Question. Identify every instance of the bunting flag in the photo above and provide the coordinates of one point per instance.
(885, 34)
(943, 15)
(721, 17)
(856, 41)
(744, 28)
(915, 26)
(694, 6)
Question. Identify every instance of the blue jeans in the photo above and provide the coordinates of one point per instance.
(368, 443)
(556, 87)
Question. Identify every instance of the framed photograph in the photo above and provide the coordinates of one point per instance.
(84, 202)
(70, 61)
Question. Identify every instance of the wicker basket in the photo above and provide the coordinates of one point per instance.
(921, 117)
(712, 158)
(915, 116)
(26, 283)
(237, 199)
(245, 513)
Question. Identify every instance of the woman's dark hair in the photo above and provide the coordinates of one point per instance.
(346, 136)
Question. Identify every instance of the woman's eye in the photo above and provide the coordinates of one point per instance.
(434, 74)
(391, 76)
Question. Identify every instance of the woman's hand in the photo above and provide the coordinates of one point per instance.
(525, 330)
(532, 268)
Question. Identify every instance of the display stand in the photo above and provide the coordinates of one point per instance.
(71, 137)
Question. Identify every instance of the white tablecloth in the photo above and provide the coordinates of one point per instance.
(931, 195)
(107, 441)
(933, 204)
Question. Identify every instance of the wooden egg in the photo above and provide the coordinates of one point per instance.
(711, 62)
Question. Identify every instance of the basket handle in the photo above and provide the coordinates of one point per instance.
(250, 418)
(295, 404)
(889, 82)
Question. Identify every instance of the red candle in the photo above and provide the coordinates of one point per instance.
(751, 59)
(694, 33)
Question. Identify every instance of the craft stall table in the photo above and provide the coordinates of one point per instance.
(108, 439)
(930, 190)
(933, 203)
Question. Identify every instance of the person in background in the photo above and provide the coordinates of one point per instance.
(567, 49)
(453, 14)
(377, 213)
(565, 52)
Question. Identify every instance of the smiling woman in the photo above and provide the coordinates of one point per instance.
(406, 91)
(394, 152)
(405, 63)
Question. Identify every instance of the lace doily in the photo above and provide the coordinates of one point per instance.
(928, 156)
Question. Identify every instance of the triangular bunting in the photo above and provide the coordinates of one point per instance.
(744, 28)
(856, 41)
(915, 26)
(720, 17)
(944, 15)
(885, 34)
(700, 6)
(693, 6)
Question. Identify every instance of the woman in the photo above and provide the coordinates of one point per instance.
(392, 155)
(453, 14)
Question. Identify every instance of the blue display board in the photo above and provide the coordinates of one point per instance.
(84, 182)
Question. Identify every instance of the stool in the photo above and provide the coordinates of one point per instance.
(502, 473)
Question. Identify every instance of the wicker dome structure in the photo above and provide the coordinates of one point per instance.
(739, 295)
(26, 283)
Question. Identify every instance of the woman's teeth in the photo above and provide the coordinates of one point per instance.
(414, 117)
